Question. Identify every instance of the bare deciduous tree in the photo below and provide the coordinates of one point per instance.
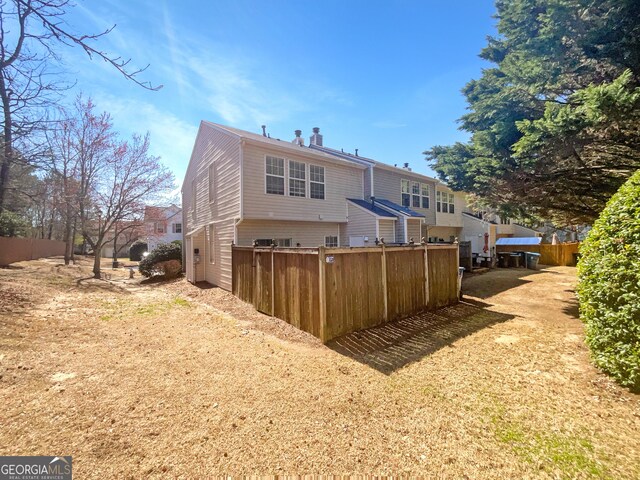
(30, 32)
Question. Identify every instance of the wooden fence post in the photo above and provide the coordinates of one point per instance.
(273, 282)
(384, 284)
(426, 276)
(322, 294)
(256, 275)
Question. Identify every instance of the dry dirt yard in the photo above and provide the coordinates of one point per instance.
(171, 380)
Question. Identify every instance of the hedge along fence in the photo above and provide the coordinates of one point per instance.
(561, 254)
(330, 292)
(15, 249)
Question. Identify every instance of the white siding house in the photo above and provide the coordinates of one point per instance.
(162, 225)
(242, 188)
(245, 188)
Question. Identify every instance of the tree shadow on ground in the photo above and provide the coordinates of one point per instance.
(390, 347)
(496, 281)
(572, 306)
(91, 284)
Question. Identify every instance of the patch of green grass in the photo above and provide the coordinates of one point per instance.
(181, 302)
(571, 455)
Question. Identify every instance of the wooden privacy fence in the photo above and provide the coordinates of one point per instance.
(330, 292)
(14, 249)
(561, 254)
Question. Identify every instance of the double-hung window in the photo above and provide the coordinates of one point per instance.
(297, 179)
(438, 201)
(451, 203)
(177, 228)
(406, 193)
(331, 241)
(275, 175)
(415, 194)
(424, 193)
(316, 182)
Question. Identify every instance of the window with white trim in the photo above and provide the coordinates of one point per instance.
(278, 242)
(212, 183)
(316, 182)
(176, 227)
(159, 227)
(424, 194)
(406, 193)
(415, 194)
(451, 203)
(331, 241)
(438, 202)
(211, 242)
(297, 179)
(274, 175)
(445, 203)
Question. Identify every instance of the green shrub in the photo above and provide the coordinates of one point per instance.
(159, 261)
(12, 225)
(177, 242)
(609, 286)
(136, 250)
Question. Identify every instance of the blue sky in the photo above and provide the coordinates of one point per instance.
(380, 76)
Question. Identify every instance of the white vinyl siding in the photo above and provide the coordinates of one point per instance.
(361, 223)
(223, 149)
(414, 230)
(297, 179)
(212, 182)
(211, 244)
(274, 172)
(386, 230)
(307, 234)
(388, 184)
(340, 182)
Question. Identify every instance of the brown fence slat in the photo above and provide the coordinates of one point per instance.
(353, 294)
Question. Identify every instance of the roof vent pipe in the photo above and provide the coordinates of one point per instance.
(356, 152)
(264, 130)
(316, 138)
(298, 140)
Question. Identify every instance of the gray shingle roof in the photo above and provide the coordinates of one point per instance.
(398, 208)
(372, 208)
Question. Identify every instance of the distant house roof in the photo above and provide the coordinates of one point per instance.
(394, 207)
(156, 214)
(519, 241)
(371, 208)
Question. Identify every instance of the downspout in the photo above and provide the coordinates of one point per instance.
(373, 192)
(406, 230)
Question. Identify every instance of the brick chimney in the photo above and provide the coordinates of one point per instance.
(316, 138)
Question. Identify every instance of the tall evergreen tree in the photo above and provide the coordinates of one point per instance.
(555, 124)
